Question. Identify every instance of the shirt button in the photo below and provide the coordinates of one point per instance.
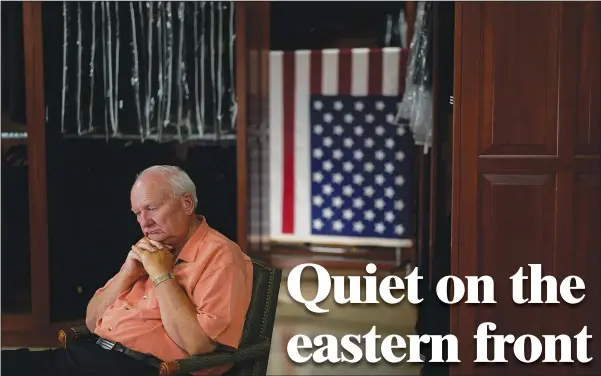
(144, 297)
(110, 328)
(127, 308)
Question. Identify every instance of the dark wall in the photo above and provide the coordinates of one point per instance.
(321, 24)
(13, 65)
(16, 281)
(434, 263)
(91, 227)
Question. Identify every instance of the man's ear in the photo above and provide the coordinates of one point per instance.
(188, 203)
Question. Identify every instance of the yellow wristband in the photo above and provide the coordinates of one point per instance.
(162, 278)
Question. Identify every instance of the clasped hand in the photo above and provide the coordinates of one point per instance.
(155, 257)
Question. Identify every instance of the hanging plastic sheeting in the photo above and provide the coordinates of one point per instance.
(416, 107)
(148, 70)
(396, 30)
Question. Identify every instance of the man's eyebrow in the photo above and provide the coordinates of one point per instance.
(146, 205)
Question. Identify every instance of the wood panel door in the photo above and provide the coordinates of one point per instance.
(35, 315)
(526, 170)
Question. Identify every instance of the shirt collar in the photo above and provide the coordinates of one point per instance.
(188, 253)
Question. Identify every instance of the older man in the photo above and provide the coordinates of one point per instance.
(183, 290)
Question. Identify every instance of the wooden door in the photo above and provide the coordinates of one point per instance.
(17, 324)
(526, 168)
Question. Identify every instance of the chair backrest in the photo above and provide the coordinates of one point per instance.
(260, 316)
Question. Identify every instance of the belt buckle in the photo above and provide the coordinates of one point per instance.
(106, 344)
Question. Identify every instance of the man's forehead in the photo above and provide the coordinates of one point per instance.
(145, 191)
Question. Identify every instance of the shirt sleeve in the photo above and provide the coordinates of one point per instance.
(221, 300)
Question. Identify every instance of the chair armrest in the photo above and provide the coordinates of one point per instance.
(74, 334)
(200, 362)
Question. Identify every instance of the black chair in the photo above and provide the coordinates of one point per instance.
(252, 356)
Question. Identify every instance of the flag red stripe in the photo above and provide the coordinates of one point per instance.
(345, 68)
(375, 72)
(288, 147)
(403, 59)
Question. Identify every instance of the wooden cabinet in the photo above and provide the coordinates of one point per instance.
(32, 324)
(526, 168)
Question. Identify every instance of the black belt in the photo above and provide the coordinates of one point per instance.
(115, 346)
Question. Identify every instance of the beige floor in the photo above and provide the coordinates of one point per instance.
(292, 318)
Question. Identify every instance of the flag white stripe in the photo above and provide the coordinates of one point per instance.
(302, 144)
(390, 71)
(276, 122)
(329, 72)
(360, 71)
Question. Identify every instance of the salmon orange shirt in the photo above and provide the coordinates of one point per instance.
(216, 276)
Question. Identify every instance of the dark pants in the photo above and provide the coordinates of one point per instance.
(80, 359)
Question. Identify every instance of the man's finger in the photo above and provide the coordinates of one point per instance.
(149, 243)
(143, 241)
(138, 250)
(146, 246)
(156, 244)
(134, 255)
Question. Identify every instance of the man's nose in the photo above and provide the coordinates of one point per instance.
(145, 220)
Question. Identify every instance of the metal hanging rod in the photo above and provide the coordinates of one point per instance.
(154, 137)
(14, 135)
(164, 138)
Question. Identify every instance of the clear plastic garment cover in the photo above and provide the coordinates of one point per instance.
(148, 70)
(416, 106)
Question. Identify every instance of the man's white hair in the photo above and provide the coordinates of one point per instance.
(177, 178)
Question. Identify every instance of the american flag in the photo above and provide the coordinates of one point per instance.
(339, 164)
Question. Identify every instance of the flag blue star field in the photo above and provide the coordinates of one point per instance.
(358, 168)
(340, 165)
